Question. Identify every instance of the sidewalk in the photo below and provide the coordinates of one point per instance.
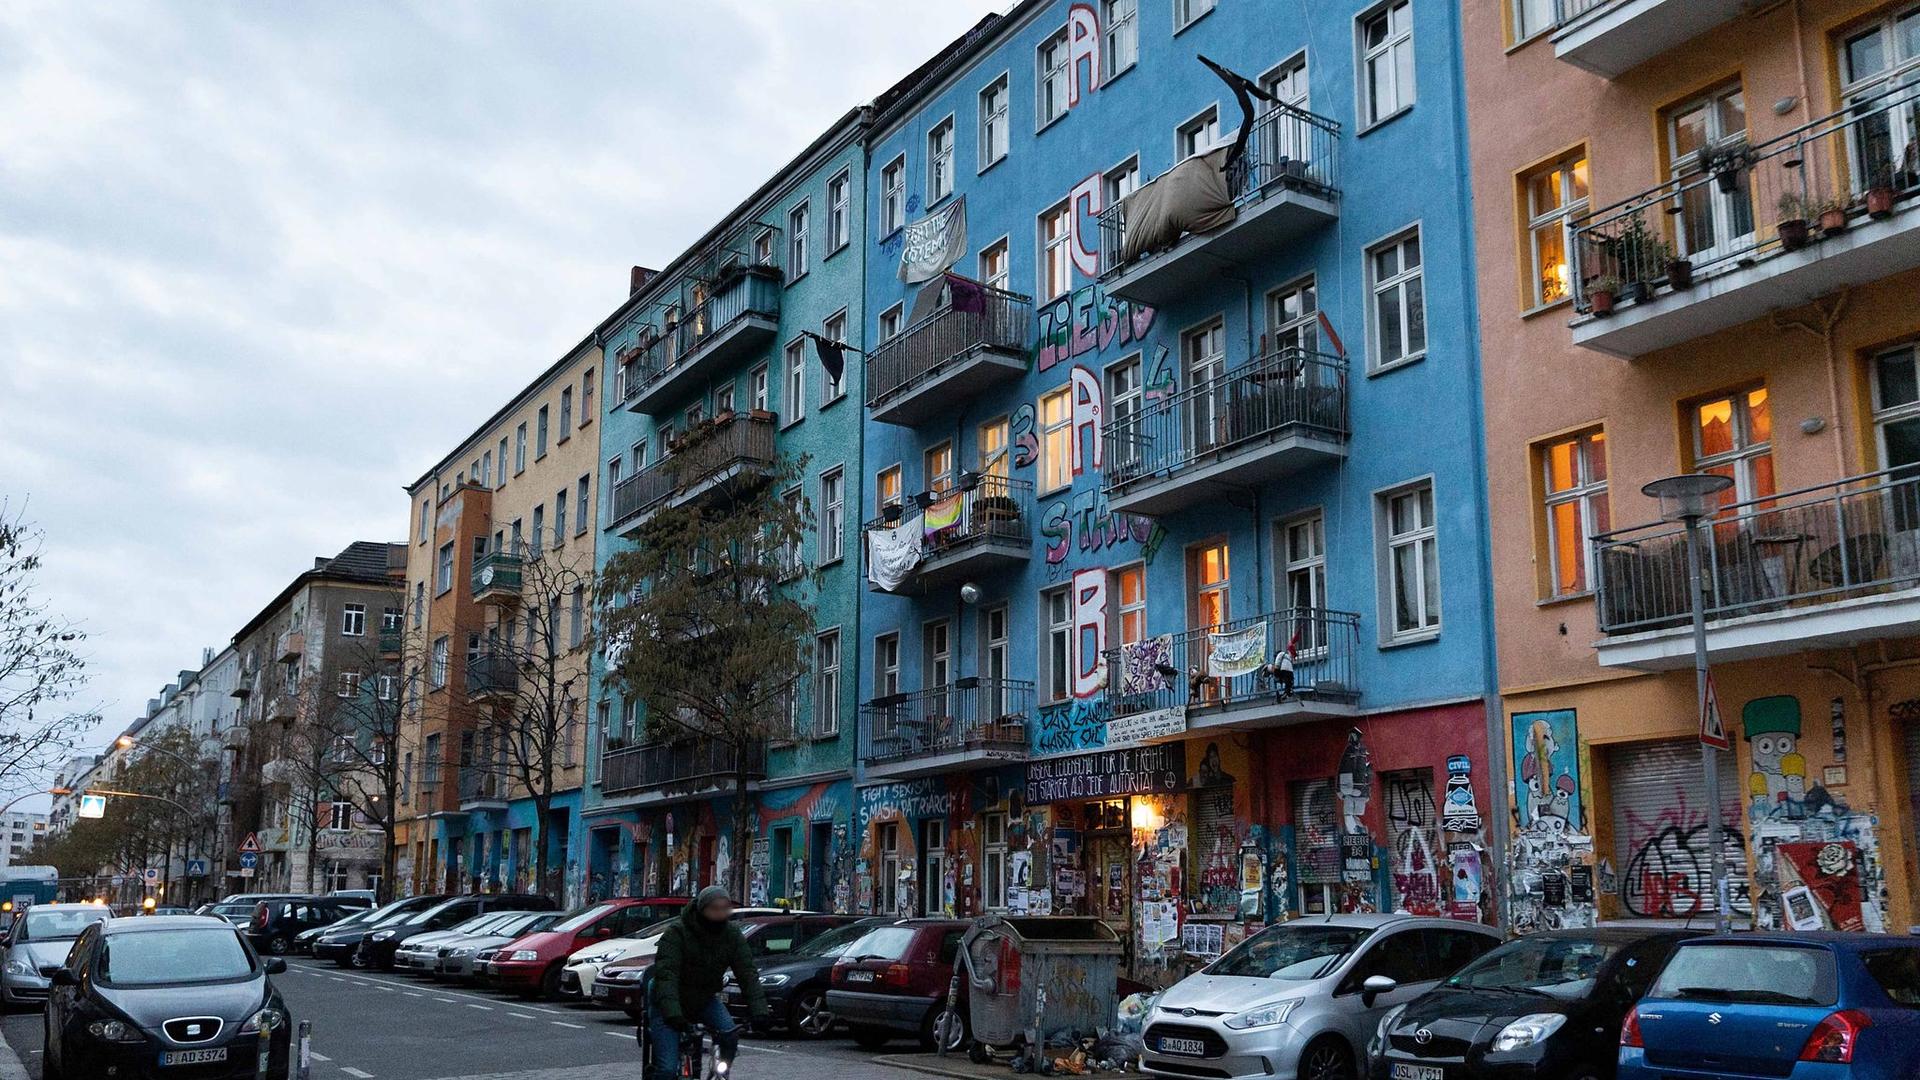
(954, 1065)
(11, 1067)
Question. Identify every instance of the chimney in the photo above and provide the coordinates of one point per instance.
(638, 279)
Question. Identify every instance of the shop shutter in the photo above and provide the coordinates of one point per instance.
(1912, 734)
(1316, 833)
(1413, 845)
(1660, 829)
(1215, 852)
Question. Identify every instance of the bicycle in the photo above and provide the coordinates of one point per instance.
(700, 1057)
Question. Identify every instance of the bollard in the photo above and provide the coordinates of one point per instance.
(943, 1024)
(263, 1060)
(305, 1068)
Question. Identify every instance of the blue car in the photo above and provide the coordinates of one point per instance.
(1813, 1006)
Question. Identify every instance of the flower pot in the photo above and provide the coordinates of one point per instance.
(1600, 302)
(1793, 234)
(1636, 291)
(761, 414)
(1879, 200)
(1680, 273)
(1833, 222)
(1728, 180)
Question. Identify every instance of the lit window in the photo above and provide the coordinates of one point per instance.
(1575, 475)
(1056, 440)
(1556, 196)
(1733, 437)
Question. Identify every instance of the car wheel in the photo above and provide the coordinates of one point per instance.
(871, 1038)
(809, 1017)
(1327, 1059)
(278, 945)
(954, 1027)
(550, 982)
(357, 959)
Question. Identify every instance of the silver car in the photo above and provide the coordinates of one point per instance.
(1301, 999)
(42, 937)
(455, 958)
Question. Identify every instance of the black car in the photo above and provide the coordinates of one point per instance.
(796, 984)
(1549, 1005)
(341, 944)
(381, 940)
(276, 923)
(304, 940)
(163, 995)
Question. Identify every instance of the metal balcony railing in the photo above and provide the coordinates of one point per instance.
(967, 714)
(1290, 389)
(990, 507)
(740, 291)
(1180, 669)
(492, 673)
(1566, 11)
(481, 784)
(1726, 207)
(996, 319)
(740, 439)
(1856, 537)
(497, 572)
(643, 491)
(1289, 149)
(682, 765)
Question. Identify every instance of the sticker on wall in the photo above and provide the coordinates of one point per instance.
(1821, 886)
(1458, 814)
(1354, 784)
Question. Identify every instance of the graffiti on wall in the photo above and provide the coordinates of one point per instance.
(1550, 861)
(1069, 726)
(1087, 321)
(1412, 863)
(1669, 868)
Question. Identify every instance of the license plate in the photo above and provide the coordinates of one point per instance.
(1190, 1047)
(860, 976)
(192, 1057)
(1403, 1071)
(601, 990)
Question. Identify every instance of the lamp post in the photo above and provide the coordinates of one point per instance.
(1690, 499)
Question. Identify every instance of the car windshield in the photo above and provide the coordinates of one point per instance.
(224, 910)
(170, 957)
(1293, 951)
(58, 924)
(834, 942)
(882, 943)
(480, 923)
(397, 914)
(1760, 973)
(1563, 967)
(521, 922)
(583, 918)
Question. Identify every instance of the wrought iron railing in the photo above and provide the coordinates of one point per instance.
(1734, 203)
(1856, 537)
(492, 673)
(741, 291)
(1288, 149)
(1239, 661)
(684, 765)
(1566, 11)
(976, 713)
(984, 507)
(480, 783)
(1290, 389)
(497, 571)
(980, 318)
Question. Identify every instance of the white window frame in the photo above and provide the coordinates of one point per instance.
(993, 860)
(1055, 470)
(940, 170)
(1002, 252)
(1297, 331)
(890, 322)
(839, 211)
(1424, 538)
(1056, 631)
(833, 512)
(893, 196)
(996, 122)
(1518, 12)
(543, 427)
(1125, 398)
(1395, 45)
(759, 386)
(353, 620)
(1572, 207)
(1188, 12)
(795, 360)
(438, 660)
(1053, 79)
(1403, 283)
(886, 665)
(799, 225)
(1746, 449)
(834, 328)
(1120, 181)
(1056, 251)
(1120, 27)
(1198, 134)
(826, 684)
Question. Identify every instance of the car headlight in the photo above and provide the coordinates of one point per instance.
(1379, 1043)
(1527, 1031)
(115, 1031)
(523, 954)
(1273, 1012)
(380, 935)
(774, 980)
(269, 1017)
(20, 967)
(627, 975)
(600, 957)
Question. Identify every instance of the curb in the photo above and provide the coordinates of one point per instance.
(961, 1070)
(11, 1068)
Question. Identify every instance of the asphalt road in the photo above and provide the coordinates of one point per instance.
(394, 1027)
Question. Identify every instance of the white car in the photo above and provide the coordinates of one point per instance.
(583, 966)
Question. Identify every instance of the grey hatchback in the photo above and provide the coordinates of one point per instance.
(1298, 1001)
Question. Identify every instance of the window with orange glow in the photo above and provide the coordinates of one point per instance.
(1575, 471)
(1733, 437)
(1556, 196)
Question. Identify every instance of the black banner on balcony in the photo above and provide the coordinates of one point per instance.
(1140, 770)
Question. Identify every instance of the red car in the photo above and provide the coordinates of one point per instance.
(894, 982)
(531, 964)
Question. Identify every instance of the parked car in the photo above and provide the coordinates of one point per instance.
(894, 980)
(381, 941)
(455, 958)
(583, 966)
(341, 942)
(795, 984)
(365, 897)
(1804, 1006)
(240, 912)
(418, 953)
(304, 940)
(276, 923)
(531, 965)
(118, 999)
(1305, 996)
(1548, 1005)
(164, 909)
(769, 936)
(42, 935)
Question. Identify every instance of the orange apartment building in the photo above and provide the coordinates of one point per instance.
(1698, 226)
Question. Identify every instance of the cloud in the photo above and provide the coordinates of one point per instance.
(262, 264)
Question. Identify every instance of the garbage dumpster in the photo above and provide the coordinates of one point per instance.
(1012, 961)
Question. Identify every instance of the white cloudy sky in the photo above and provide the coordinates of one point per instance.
(262, 263)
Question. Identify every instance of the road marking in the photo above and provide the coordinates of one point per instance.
(446, 1001)
(523, 1016)
(477, 1005)
(617, 1034)
(318, 1056)
(415, 993)
(763, 1049)
(388, 989)
(563, 1023)
(374, 980)
(336, 978)
(351, 1071)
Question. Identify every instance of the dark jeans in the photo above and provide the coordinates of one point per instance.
(666, 1041)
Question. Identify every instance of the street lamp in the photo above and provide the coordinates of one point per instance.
(1689, 499)
(127, 742)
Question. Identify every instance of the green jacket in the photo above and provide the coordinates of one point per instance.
(693, 961)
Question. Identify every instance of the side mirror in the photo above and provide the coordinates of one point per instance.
(273, 965)
(1374, 987)
(58, 975)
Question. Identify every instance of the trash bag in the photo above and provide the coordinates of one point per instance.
(1130, 1019)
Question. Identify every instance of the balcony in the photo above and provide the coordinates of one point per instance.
(392, 642)
(983, 526)
(737, 319)
(283, 705)
(492, 676)
(1282, 413)
(1612, 37)
(482, 789)
(242, 688)
(1823, 567)
(496, 578)
(670, 769)
(978, 338)
(1202, 213)
(959, 725)
(733, 448)
(292, 644)
(1717, 246)
(1230, 676)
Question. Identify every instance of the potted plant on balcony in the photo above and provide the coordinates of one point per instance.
(1638, 252)
(1792, 223)
(1879, 197)
(1726, 166)
(1601, 292)
(1832, 216)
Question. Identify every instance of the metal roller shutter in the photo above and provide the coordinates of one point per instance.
(1660, 828)
(1912, 734)
(1413, 845)
(1316, 833)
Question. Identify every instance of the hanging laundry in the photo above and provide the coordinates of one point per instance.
(892, 553)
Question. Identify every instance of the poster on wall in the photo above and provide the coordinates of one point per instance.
(1143, 770)
(1820, 885)
(1546, 765)
(1356, 857)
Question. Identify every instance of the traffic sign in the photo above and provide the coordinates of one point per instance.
(1713, 730)
(196, 868)
(249, 860)
(150, 875)
(245, 871)
(251, 843)
(93, 806)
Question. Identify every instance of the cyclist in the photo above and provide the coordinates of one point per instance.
(693, 959)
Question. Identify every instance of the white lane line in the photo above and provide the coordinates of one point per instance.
(318, 1056)
(415, 993)
(336, 978)
(351, 1071)
(563, 1023)
(523, 1016)
(388, 989)
(763, 1049)
(617, 1034)
(446, 1001)
(477, 1005)
(452, 995)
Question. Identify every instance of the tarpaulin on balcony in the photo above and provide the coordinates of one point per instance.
(934, 243)
(1239, 652)
(893, 552)
(1141, 663)
(1193, 196)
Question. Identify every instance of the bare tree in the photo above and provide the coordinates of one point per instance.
(41, 668)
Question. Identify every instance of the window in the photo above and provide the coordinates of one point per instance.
(426, 520)
(1709, 220)
(1056, 258)
(390, 620)
(1056, 606)
(485, 475)
(443, 569)
(539, 530)
(582, 507)
(386, 687)
(1399, 301)
(500, 478)
(940, 161)
(560, 518)
(437, 665)
(1293, 317)
(353, 620)
(839, 212)
(1122, 20)
(1576, 500)
(993, 861)
(833, 387)
(577, 617)
(1056, 440)
(995, 125)
(1733, 437)
(886, 487)
(1412, 561)
(995, 655)
(1123, 414)
(419, 602)
(1556, 196)
(1303, 551)
(991, 443)
(1531, 17)
(1055, 70)
(936, 656)
(1186, 11)
(799, 222)
(1121, 181)
(1386, 55)
(890, 320)
(723, 398)
(757, 389)
(540, 434)
(1875, 59)
(586, 398)
(832, 540)
(886, 665)
(887, 844)
(995, 270)
(1198, 135)
(1288, 84)
(349, 684)
(613, 481)
(893, 196)
(790, 555)
(566, 413)
(1203, 353)
(1896, 408)
(520, 449)
(1129, 590)
(796, 388)
(1209, 584)
(938, 467)
(826, 684)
